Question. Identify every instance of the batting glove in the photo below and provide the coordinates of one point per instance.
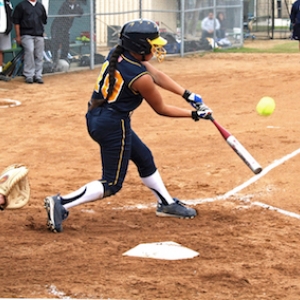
(192, 98)
(203, 112)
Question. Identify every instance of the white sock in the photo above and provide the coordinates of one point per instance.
(88, 193)
(155, 183)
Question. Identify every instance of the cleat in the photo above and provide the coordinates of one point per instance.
(38, 80)
(176, 210)
(3, 77)
(56, 213)
(29, 80)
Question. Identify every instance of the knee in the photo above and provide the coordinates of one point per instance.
(111, 189)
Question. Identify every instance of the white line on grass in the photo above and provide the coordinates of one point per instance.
(237, 189)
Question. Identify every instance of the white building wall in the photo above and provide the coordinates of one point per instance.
(112, 14)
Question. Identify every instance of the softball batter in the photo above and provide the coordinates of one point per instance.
(126, 78)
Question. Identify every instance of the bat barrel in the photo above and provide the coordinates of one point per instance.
(238, 147)
(244, 154)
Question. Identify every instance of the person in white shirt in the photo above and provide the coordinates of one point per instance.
(209, 25)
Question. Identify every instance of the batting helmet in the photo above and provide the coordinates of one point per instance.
(141, 36)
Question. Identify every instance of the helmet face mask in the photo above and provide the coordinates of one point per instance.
(158, 51)
(142, 37)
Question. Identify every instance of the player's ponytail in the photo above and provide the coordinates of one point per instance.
(112, 68)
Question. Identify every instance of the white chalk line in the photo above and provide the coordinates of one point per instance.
(61, 295)
(227, 195)
(279, 210)
(237, 189)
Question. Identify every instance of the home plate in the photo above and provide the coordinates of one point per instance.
(5, 103)
(162, 250)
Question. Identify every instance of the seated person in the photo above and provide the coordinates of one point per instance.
(221, 31)
(209, 25)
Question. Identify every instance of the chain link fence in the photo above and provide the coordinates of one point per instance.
(267, 19)
(80, 33)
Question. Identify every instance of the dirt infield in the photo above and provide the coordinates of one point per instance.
(246, 251)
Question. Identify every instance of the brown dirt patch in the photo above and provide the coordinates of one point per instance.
(246, 252)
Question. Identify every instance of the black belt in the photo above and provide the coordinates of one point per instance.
(93, 103)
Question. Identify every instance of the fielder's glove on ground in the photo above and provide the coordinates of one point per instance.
(14, 186)
(193, 99)
(203, 112)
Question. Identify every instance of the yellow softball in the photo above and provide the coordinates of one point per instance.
(265, 106)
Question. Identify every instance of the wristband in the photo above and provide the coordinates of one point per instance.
(186, 94)
(195, 116)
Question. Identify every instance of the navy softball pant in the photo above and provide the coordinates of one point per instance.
(118, 144)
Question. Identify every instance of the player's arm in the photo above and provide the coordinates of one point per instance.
(18, 36)
(167, 83)
(163, 80)
(147, 88)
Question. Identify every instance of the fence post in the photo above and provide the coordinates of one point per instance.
(215, 24)
(182, 11)
(242, 22)
(272, 18)
(92, 34)
(140, 9)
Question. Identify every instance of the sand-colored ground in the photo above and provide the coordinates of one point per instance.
(246, 251)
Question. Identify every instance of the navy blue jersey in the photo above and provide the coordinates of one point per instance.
(123, 98)
(295, 13)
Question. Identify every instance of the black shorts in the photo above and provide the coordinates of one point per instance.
(296, 32)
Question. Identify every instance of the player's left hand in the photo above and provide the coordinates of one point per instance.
(194, 99)
(203, 112)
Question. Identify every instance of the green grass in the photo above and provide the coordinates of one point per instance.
(285, 47)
